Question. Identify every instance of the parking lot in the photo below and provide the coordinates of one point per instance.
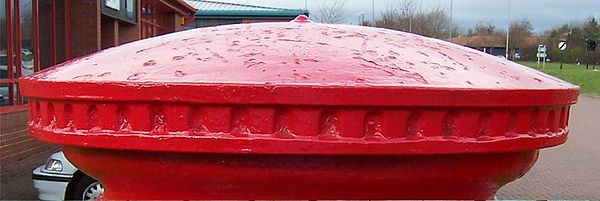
(569, 171)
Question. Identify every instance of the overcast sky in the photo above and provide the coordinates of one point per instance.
(543, 14)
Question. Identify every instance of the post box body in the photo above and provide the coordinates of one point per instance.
(298, 110)
(143, 175)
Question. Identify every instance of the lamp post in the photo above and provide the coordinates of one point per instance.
(361, 18)
(373, 12)
(410, 23)
(508, 31)
(450, 26)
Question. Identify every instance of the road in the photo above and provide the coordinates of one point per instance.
(571, 170)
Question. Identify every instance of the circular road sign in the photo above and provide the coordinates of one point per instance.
(562, 45)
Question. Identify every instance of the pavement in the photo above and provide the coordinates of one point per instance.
(569, 171)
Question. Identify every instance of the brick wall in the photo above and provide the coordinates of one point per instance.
(19, 154)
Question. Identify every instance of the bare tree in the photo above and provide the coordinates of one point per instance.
(399, 17)
(437, 23)
(519, 31)
(390, 19)
(408, 9)
(592, 29)
(409, 17)
(484, 29)
(333, 13)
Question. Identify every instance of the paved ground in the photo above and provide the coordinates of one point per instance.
(15, 177)
(569, 171)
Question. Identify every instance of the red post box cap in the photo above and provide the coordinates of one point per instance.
(298, 87)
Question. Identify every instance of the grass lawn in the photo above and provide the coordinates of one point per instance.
(588, 80)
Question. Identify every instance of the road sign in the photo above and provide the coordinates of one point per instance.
(542, 55)
(541, 48)
(562, 45)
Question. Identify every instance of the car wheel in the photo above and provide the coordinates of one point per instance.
(85, 188)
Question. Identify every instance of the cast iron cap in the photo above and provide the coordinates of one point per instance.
(298, 87)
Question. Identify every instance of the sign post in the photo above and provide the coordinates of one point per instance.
(541, 54)
(562, 46)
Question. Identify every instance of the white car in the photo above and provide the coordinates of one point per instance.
(58, 179)
(26, 63)
(26, 69)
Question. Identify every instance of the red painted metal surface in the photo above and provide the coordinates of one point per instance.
(298, 110)
(10, 66)
(36, 35)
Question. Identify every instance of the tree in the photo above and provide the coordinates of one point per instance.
(575, 35)
(400, 17)
(410, 18)
(406, 11)
(436, 23)
(333, 13)
(484, 29)
(592, 29)
(519, 32)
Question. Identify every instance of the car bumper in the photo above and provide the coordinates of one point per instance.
(50, 186)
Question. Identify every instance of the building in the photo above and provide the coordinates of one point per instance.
(36, 34)
(212, 13)
(495, 45)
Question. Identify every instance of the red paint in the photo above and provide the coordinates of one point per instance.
(13, 108)
(18, 48)
(36, 35)
(301, 19)
(10, 51)
(19, 42)
(298, 110)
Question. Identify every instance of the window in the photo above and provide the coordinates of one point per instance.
(29, 29)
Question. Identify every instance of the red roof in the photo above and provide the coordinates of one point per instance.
(480, 41)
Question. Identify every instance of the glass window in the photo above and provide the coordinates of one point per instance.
(3, 42)
(4, 95)
(130, 5)
(26, 37)
(52, 46)
(20, 38)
